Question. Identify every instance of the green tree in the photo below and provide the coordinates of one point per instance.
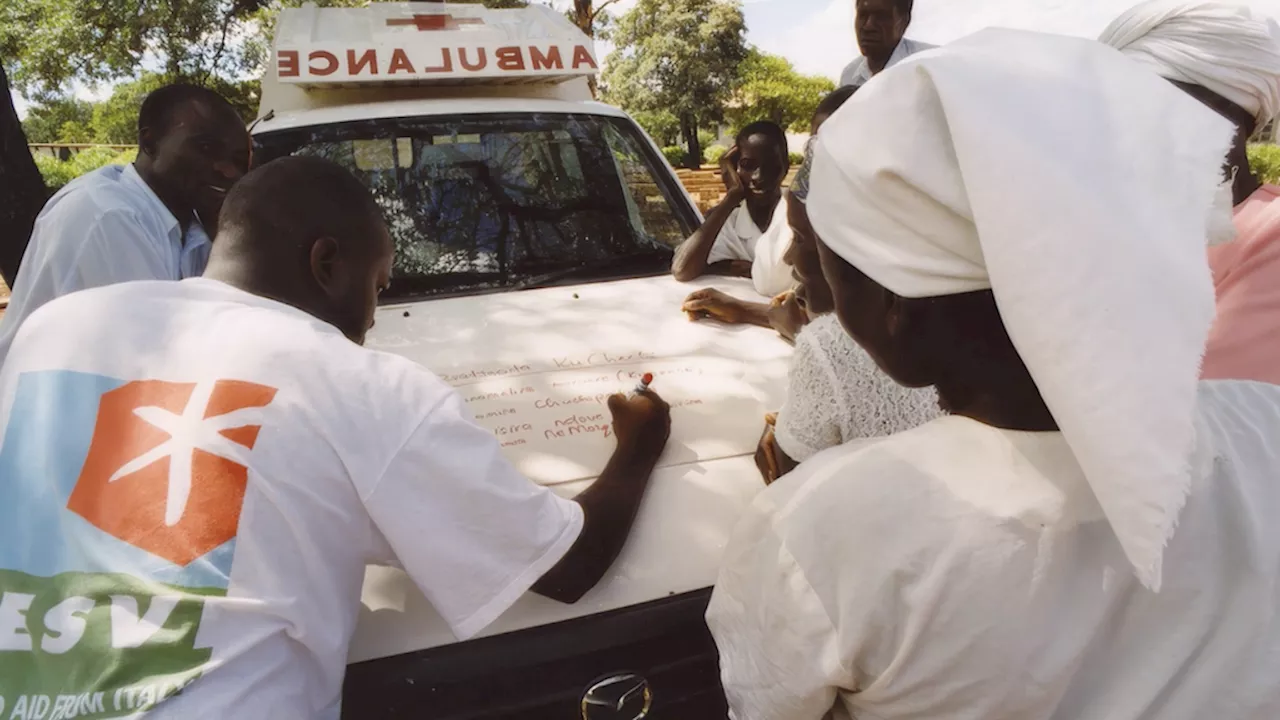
(771, 89)
(115, 120)
(678, 56)
(59, 120)
(590, 16)
(661, 125)
(49, 43)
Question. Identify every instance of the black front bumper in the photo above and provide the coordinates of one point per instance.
(543, 672)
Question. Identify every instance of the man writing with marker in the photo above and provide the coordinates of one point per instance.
(229, 451)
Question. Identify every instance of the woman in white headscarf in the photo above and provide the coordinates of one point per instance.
(1019, 220)
(1228, 57)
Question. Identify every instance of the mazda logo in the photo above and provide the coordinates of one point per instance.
(621, 696)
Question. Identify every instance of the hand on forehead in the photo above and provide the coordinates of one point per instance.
(759, 144)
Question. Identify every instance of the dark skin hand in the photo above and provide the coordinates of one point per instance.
(752, 172)
(691, 257)
(879, 25)
(192, 162)
(785, 313)
(642, 424)
(772, 462)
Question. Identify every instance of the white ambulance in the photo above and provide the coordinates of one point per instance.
(534, 231)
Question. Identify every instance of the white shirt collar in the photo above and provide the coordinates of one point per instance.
(859, 71)
(193, 245)
(130, 175)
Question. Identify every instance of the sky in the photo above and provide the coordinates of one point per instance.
(817, 35)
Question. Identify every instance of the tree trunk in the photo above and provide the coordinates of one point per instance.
(22, 190)
(689, 128)
(584, 18)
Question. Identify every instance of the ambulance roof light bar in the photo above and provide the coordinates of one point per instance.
(419, 43)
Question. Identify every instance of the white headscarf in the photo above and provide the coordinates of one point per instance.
(1222, 47)
(1076, 186)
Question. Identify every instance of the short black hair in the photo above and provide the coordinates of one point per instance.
(290, 202)
(834, 99)
(771, 130)
(160, 104)
(904, 6)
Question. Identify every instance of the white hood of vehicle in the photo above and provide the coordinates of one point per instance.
(535, 367)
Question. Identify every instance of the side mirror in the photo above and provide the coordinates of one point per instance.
(619, 696)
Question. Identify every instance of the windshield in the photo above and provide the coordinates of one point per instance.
(493, 202)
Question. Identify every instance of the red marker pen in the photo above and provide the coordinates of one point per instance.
(643, 385)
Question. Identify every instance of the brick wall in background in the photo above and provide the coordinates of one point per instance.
(705, 186)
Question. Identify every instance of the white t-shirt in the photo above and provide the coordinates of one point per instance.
(837, 394)
(194, 480)
(737, 238)
(963, 572)
(104, 227)
(770, 273)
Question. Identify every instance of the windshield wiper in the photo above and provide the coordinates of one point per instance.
(634, 267)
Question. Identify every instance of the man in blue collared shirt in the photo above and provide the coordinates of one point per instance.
(142, 221)
(880, 25)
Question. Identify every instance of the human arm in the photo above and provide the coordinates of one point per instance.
(642, 425)
(783, 313)
(729, 268)
(713, 304)
(787, 315)
(692, 257)
(772, 461)
(474, 534)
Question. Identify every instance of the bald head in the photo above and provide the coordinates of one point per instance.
(290, 201)
(305, 231)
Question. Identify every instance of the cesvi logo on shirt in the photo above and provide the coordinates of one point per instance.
(119, 511)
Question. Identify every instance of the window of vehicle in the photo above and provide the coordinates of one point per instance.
(493, 202)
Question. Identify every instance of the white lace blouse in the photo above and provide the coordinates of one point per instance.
(838, 394)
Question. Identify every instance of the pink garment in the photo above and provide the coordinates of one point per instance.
(1244, 343)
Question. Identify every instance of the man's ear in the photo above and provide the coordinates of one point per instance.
(147, 141)
(324, 264)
